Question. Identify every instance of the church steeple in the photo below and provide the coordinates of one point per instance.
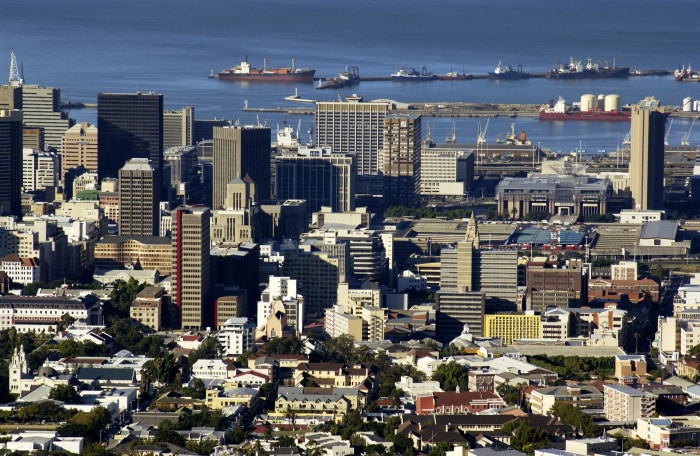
(472, 232)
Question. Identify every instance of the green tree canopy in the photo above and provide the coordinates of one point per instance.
(65, 393)
(451, 375)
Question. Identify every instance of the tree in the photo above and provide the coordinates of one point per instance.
(166, 434)
(525, 437)
(403, 445)
(451, 375)
(573, 416)
(536, 216)
(65, 322)
(658, 272)
(283, 346)
(440, 449)
(66, 394)
(163, 368)
(87, 425)
(238, 435)
(339, 349)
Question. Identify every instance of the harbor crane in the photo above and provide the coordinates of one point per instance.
(670, 124)
(686, 137)
(481, 137)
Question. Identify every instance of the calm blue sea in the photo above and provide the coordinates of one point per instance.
(87, 46)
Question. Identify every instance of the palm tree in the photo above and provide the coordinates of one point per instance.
(637, 335)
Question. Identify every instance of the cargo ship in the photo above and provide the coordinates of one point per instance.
(576, 70)
(559, 111)
(350, 76)
(508, 72)
(244, 72)
(413, 75)
(686, 75)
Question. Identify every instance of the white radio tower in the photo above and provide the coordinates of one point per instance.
(15, 80)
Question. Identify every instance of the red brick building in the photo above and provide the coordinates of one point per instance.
(451, 402)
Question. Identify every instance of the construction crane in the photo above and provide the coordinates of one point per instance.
(686, 137)
(670, 124)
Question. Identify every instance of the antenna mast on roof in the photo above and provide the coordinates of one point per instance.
(15, 80)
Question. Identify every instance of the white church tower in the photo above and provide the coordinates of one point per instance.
(18, 369)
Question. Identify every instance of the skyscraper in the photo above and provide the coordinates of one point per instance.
(178, 127)
(647, 157)
(129, 125)
(41, 108)
(353, 127)
(11, 159)
(400, 155)
(79, 148)
(191, 265)
(139, 210)
(319, 176)
(241, 150)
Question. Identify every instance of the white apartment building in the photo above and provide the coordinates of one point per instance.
(444, 172)
(624, 403)
(236, 336)
(687, 298)
(210, 368)
(409, 280)
(85, 181)
(20, 270)
(414, 389)
(625, 270)
(30, 313)
(639, 216)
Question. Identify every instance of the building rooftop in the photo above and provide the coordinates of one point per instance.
(138, 164)
(662, 229)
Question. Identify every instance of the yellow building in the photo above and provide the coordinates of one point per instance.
(247, 397)
(152, 252)
(335, 402)
(512, 326)
(79, 148)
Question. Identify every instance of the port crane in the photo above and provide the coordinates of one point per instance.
(670, 124)
(686, 137)
(452, 137)
(481, 137)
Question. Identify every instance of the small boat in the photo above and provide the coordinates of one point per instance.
(454, 76)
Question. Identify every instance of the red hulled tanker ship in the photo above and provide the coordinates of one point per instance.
(559, 111)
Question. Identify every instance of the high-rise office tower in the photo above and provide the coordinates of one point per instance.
(41, 108)
(11, 159)
(139, 211)
(400, 155)
(353, 127)
(178, 127)
(647, 157)
(10, 97)
(129, 125)
(79, 148)
(39, 170)
(241, 150)
(318, 175)
(191, 265)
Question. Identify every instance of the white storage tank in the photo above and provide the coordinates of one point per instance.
(613, 103)
(588, 102)
(696, 105)
(687, 104)
(601, 101)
